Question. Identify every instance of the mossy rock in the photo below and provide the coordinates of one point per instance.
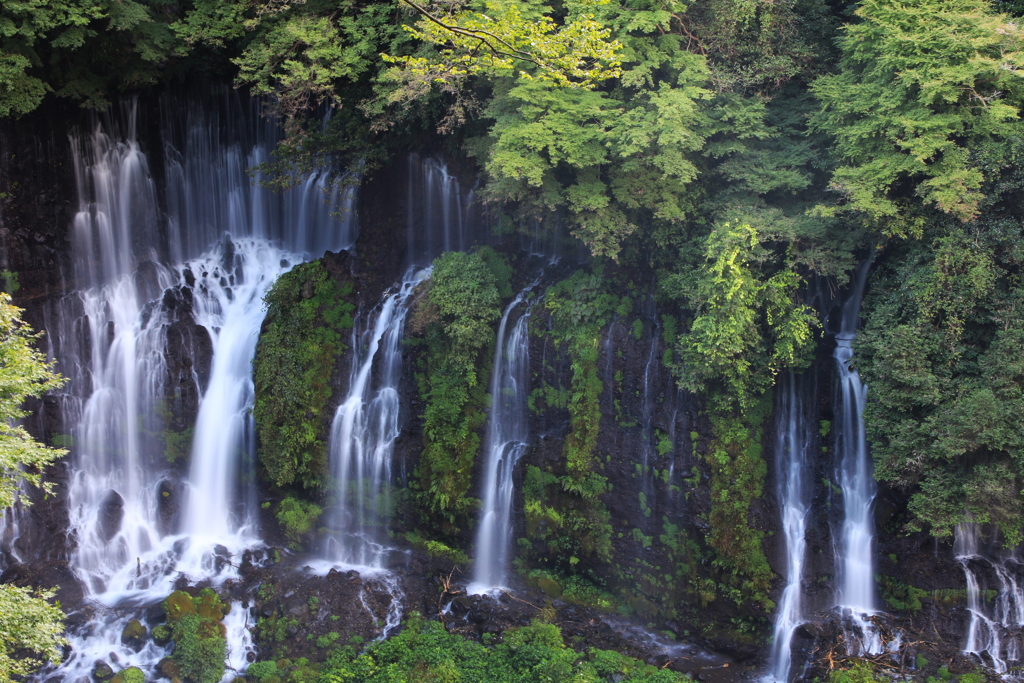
(132, 674)
(101, 671)
(177, 605)
(209, 605)
(134, 634)
(550, 587)
(162, 634)
(169, 670)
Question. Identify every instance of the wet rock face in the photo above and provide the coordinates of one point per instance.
(111, 514)
(189, 356)
(37, 196)
(134, 635)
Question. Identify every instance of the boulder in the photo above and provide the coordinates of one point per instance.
(134, 635)
(132, 674)
(111, 513)
(101, 671)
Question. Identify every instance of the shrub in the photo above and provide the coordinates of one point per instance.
(307, 310)
(261, 671)
(456, 317)
(297, 517)
(198, 634)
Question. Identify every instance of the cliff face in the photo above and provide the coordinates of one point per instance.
(652, 443)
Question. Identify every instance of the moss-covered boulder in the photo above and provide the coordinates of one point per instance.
(200, 643)
(169, 670)
(132, 674)
(308, 310)
(102, 672)
(134, 635)
(177, 605)
(162, 634)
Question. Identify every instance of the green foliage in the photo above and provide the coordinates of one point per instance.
(437, 549)
(425, 652)
(860, 672)
(132, 674)
(456, 316)
(748, 326)
(301, 340)
(941, 350)
(737, 480)
(200, 646)
(9, 282)
(575, 54)
(261, 671)
(921, 83)
(177, 444)
(900, 596)
(80, 49)
(31, 630)
(297, 518)
(326, 641)
(24, 372)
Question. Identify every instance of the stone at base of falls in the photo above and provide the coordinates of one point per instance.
(111, 514)
(162, 634)
(101, 671)
(134, 635)
(132, 674)
(169, 670)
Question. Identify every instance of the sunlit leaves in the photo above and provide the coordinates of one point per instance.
(501, 41)
(29, 624)
(24, 372)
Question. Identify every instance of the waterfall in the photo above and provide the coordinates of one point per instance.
(995, 631)
(440, 214)
(856, 594)
(794, 439)
(209, 145)
(366, 424)
(647, 452)
(364, 430)
(506, 441)
(229, 304)
(111, 342)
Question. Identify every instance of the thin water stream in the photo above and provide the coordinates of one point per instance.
(507, 436)
(794, 442)
(855, 596)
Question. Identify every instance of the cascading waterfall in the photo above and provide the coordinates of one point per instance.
(856, 595)
(111, 339)
(229, 304)
(137, 565)
(794, 438)
(441, 215)
(209, 145)
(995, 631)
(506, 441)
(364, 430)
(366, 424)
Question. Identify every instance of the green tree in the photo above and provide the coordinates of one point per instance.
(921, 83)
(28, 622)
(80, 49)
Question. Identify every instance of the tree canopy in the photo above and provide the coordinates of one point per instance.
(29, 623)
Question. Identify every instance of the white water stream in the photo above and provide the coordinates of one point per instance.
(855, 562)
(793, 456)
(363, 434)
(995, 631)
(507, 436)
(129, 547)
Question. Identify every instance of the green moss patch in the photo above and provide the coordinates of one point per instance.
(301, 340)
